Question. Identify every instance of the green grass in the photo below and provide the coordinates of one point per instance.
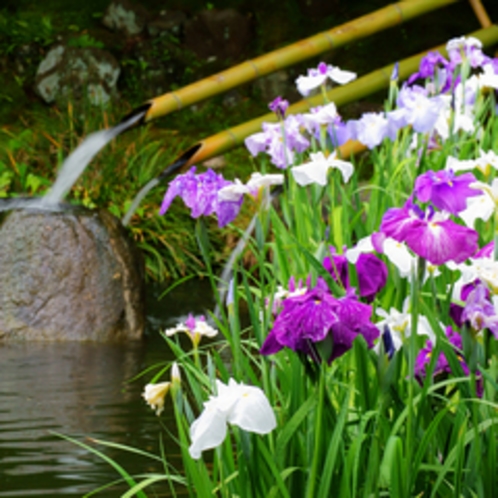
(29, 160)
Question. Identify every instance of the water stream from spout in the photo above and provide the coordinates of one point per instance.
(72, 168)
(76, 163)
(138, 199)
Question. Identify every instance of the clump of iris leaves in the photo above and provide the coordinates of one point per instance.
(357, 355)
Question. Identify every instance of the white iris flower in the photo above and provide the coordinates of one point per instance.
(316, 170)
(237, 404)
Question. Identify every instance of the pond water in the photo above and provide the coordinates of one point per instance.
(81, 391)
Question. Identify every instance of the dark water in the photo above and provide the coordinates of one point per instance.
(80, 390)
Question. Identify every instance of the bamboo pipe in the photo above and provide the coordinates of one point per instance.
(480, 12)
(366, 85)
(228, 139)
(250, 70)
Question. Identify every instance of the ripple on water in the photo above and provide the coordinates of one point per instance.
(76, 390)
(79, 390)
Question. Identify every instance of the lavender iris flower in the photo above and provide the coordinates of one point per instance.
(431, 235)
(416, 108)
(271, 141)
(326, 116)
(445, 190)
(456, 311)
(316, 317)
(469, 48)
(479, 311)
(339, 132)
(200, 194)
(370, 129)
(371, 271)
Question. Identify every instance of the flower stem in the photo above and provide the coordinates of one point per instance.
(416, 284)
(495, 252)
(317, 453)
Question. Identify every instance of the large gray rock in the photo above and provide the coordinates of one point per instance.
(69, 275)
(80, 74)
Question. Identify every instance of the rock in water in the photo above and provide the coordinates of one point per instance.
(69, 275)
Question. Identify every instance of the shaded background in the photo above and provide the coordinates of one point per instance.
(28, 29)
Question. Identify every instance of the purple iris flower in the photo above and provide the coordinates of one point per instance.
(388, 343)
(317, 318)
(279, 106)
(430, 235)
(371, 271)
(428, 66)
(442, 366)
(486, 251)
(200, 194)
(445, 190)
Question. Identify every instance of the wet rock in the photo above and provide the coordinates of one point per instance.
(81, 74)
(218, 34)
(126, 17)
(71, 275)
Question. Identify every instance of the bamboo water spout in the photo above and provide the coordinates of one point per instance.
(233, 137)
(250, 70)
(362, 87)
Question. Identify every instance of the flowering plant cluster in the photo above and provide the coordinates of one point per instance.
(359, 354)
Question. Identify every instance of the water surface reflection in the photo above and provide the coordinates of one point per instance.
(79, 390)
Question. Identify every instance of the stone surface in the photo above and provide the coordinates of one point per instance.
(218, 34)
(126, 17)
(79, 74)
(69, 275)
